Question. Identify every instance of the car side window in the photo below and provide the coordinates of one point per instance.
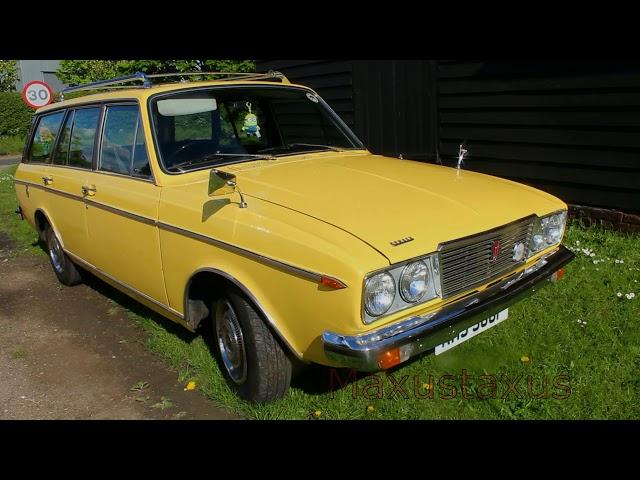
(62, 150)
(83, 134)
(123, 148)
(44, 138)
(118, 137)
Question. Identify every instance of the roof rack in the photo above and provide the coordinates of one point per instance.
(147, 83)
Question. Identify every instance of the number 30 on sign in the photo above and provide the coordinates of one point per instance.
(37, 94)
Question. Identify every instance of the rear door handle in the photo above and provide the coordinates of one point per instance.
(47, 180)
(89, 190)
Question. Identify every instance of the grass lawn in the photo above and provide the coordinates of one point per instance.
(578, 335)
(11, 145)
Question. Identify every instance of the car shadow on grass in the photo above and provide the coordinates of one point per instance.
(135, 307)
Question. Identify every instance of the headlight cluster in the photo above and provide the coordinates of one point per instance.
(401, 286)
(547, 231)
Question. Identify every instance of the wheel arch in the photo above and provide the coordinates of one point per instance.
(195, 310)
(41, 220)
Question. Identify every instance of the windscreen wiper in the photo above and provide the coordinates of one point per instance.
(218, 156)
(289, 146)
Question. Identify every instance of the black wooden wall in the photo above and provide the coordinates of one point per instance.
(389, 104)
(568, 127)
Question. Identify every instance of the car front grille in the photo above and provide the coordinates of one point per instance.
(467, 262)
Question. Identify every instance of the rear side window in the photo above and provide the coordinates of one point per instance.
(43, 139)
(118, 138)
(75, 147)
(83, 134)
(123, 148)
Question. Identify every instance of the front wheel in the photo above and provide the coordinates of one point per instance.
(64, 268)
(252, 359)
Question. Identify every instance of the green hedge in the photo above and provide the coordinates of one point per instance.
(15, 115)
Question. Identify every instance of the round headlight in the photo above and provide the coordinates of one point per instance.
(414, 281)
(379, 293)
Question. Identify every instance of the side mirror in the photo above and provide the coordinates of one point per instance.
(221, 183)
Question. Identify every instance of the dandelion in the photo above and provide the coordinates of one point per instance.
(371, 408)
(317, 413)
(190, 386)
(427, 386)
(524, 359)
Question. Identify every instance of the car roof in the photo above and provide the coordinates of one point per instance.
(142, 94)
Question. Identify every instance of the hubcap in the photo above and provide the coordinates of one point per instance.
(231, 343)
(56, 254)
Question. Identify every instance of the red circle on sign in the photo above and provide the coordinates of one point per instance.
(38, 82)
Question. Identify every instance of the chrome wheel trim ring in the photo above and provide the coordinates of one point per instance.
(231, 343)
(56, 254)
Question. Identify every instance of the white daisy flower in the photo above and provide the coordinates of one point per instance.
(619, 294)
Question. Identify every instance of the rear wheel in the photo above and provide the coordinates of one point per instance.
(253, 361)
(63, 267)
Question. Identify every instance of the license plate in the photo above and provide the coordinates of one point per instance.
(472, 331)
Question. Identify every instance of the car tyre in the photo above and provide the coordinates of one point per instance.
(251, 358)
(63, 267)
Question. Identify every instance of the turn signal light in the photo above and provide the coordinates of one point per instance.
(390, 358)
(332, 283)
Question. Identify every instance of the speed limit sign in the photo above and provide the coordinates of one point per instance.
(37, 94)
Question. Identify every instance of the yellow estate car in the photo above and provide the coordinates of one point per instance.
(245, 205)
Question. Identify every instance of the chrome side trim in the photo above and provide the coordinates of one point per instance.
(90, 266)
(268, 317)
(247, 253)
(31, 184)
(301, 272)
(124, 213)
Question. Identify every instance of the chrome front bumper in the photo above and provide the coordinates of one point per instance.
(422, 333)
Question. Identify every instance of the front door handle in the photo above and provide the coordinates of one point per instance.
(89, 190)
(48, 180)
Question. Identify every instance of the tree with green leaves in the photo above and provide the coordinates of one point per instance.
(74, 72)
(8, 75)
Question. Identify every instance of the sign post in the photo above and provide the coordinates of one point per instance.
(37, 94)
